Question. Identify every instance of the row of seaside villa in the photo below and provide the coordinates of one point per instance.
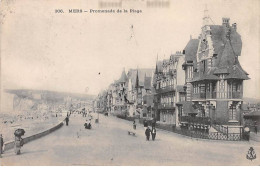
(199, 89)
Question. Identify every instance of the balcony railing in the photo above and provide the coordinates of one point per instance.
(235, 95)
(166, 105)
(165, 89)
(195, 120)
(211, 95)
(199, 96)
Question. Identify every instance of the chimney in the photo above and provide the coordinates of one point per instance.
(190, 37)
(225, 21)
(234, 25)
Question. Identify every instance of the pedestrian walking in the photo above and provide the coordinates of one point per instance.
(1, 144)
(153, 133)
(18, 144)
(256, 127)
(18, 141)
(67, 120)
(147, 133)
(134, 125)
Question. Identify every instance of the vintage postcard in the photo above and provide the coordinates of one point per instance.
(129, 83)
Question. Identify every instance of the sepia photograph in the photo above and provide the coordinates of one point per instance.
(129, 83)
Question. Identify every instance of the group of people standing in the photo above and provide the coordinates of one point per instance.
(148, 131)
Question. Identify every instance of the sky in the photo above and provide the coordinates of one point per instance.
(41, 49)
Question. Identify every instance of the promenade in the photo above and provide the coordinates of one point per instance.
(108, 143)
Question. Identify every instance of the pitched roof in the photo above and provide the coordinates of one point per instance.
(147, 82)
(209, 75)
(123, 78)
(228, 63)
(141, 74)
(227, 57)
(191, 50)
(218, 34)
(159, 66)
(237, 73)
(227, 46)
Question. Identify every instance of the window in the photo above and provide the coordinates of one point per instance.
(208, 87)
(180, 111)
(202, 88)
(232, 112)
(164, 117)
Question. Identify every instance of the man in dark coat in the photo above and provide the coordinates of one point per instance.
(145, 123)
(153, 133)
(147, 133)
(67, 120)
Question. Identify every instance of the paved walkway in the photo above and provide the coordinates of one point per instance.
(109, 144)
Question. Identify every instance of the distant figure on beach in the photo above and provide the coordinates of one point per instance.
(67, 120)
(147, 133)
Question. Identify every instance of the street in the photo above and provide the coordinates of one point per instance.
(108, 143)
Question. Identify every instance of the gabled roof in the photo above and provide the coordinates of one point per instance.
(159, 66)
(123, 78)
(227, 46)
(229, 64)
(191, 50)
(228, 57)
(141, 74)
(218, 34)
(209, 75)
(237, 73)
(147, 82)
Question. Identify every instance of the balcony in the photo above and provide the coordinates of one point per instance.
(165, 89)
(235, 95)
(199, 96)
(211, 95)
(195, 120)
(166, 105)
(207, 95)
